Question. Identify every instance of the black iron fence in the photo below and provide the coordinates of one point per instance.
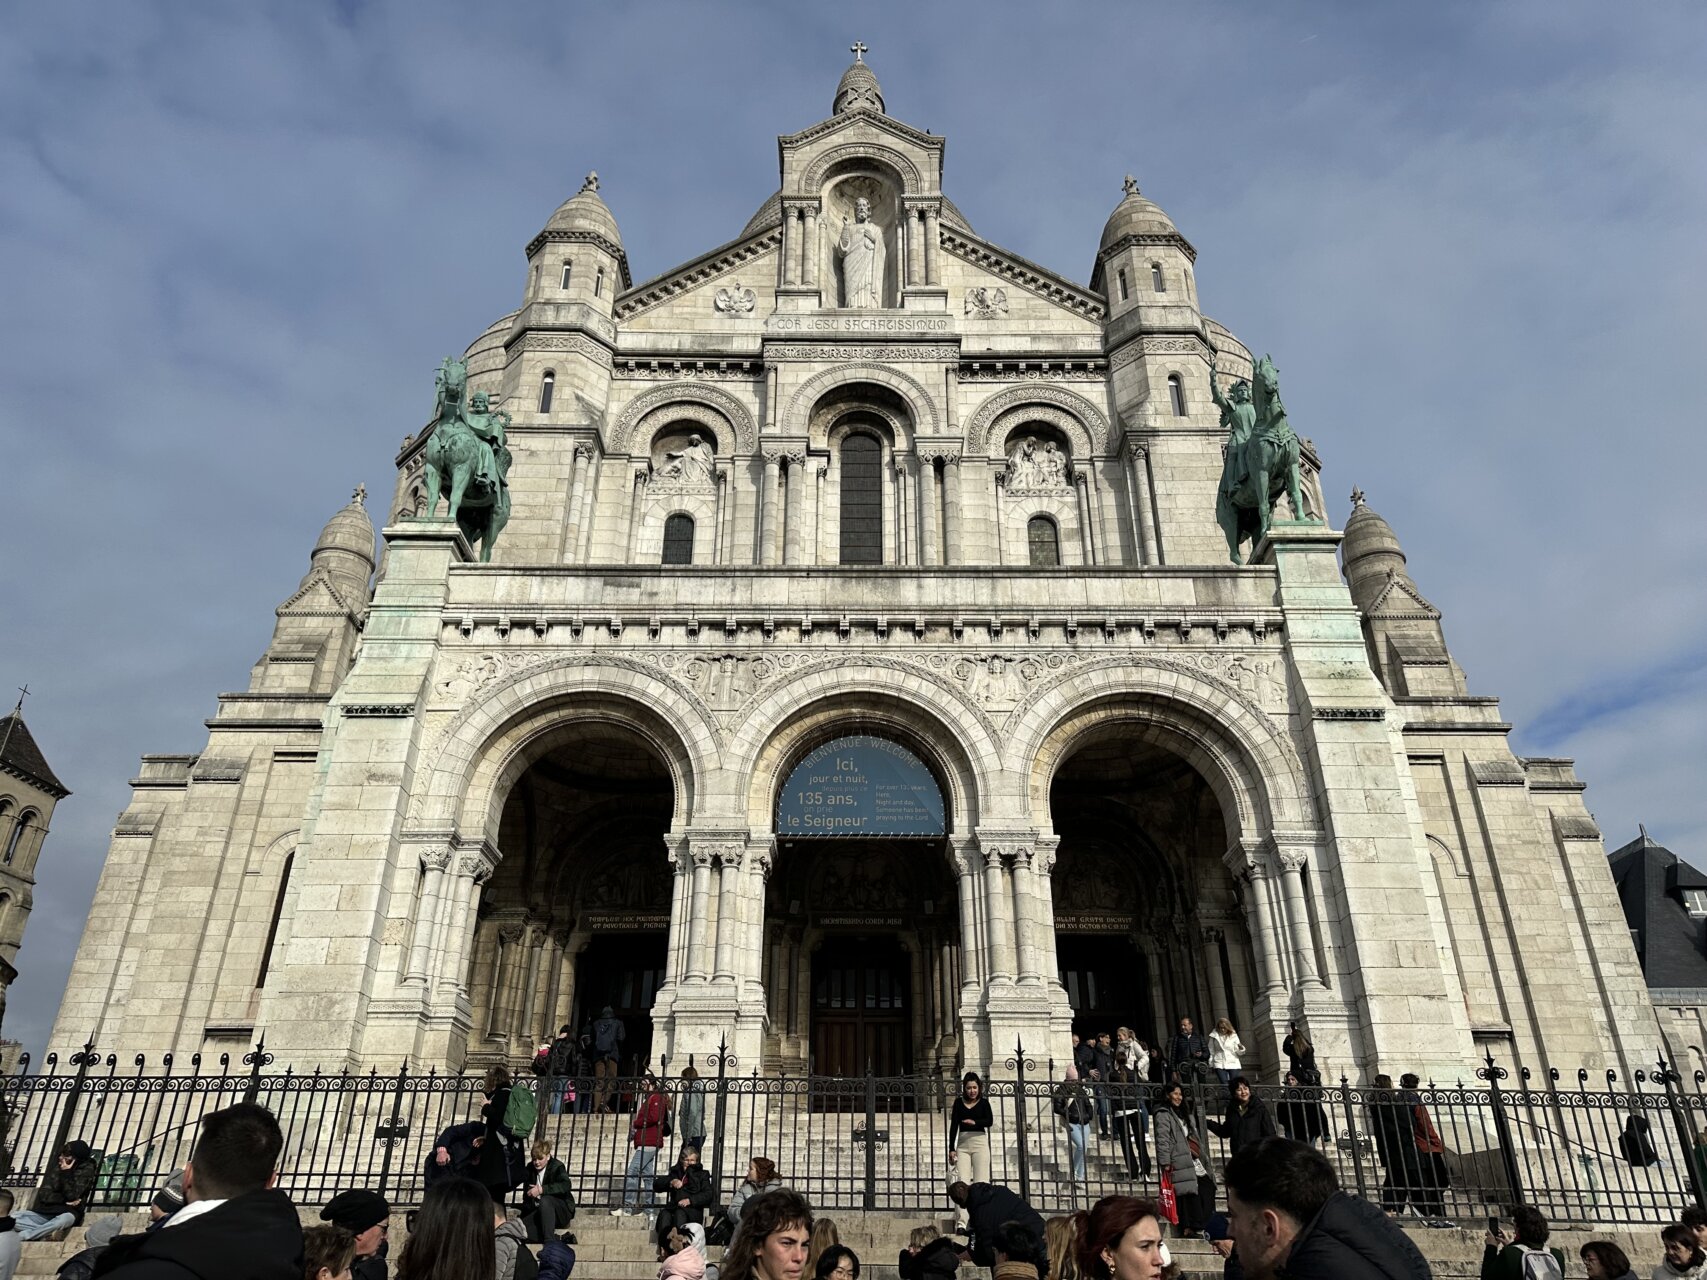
(1633, 1151)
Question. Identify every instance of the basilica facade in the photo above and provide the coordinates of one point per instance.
(860, 680)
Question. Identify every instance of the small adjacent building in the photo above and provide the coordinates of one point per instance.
(1665, 904)
(28, 792)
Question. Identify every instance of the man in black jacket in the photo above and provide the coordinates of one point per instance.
(1188, 1051)
(235, 1225)
(688, 1192)
(64, 1193)
(367, 1216)
(988, 1205)
(1289, 1218)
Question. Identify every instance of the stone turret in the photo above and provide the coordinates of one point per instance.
(858, 87)
(1144, 267)
(314, 639)
(1407, 644)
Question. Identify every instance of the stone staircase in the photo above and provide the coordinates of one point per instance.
(620, 1248)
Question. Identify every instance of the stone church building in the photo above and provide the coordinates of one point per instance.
(861, 676)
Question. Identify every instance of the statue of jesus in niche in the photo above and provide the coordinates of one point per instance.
(861, 247)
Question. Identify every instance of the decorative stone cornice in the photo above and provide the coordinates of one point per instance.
(1157, 344)
(579, 343)
(1045, 369)
(1349, 713)
(561, 236)
(711, 368)
(1148, 240)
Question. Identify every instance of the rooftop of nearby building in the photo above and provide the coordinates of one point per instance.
(20, 755)
(1665, 903)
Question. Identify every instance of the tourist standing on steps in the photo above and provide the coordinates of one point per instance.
(1431, 1155)
(838, 1262)
(969, 1122)
(608, 1035)
(692, 1110)
(1247, 1120)
(367, 1216)
(1603, 1260)
(492, 1160)
(1076, 1110)
(235, 1224)
(1102, 1072)
(687, 1191)
(1225, 1052)
(453, 1237)
(1188, 1053)
(561, 1065)
(1174, 1155)
(645, 1136)
(1301, 1056)
(1302, 1116)
(1122, 1240)
(1527, 1257)
(771, 1243)
(1395, 1146)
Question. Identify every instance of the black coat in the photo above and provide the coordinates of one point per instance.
(1242, 1129)
(696, 1186)
(252, 1237)
(459, 1141)
(1302, 1116)
(61, 1186)
(938, 1260)
(371, 1267)
(1352, 1239)
(988, 1205)
(492, 1160)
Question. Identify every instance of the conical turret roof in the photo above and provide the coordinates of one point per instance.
(585, 211)
(1135, 215)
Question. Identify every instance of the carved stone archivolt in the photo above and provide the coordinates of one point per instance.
(920, 401)
(712, 408)
(1084, 425)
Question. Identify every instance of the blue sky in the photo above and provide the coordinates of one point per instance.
(235, 241)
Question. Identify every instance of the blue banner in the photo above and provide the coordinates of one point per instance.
(860, 786)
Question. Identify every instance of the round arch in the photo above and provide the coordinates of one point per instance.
(1084, 425)
(901, 170)
(918, 401)
(720, 413)
(494, 741)
(1255, 776)
(955, 740)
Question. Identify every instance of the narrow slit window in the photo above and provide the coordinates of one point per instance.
(678, 539)
(599, 283)
(568, 269)
(1043, 540)
(1176, 394)
(1125, 293)
(278, 914)
(17, 837)
(1156, 282)
(533, 277)
(547, 385)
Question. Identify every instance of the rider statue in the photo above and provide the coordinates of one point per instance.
(1238, 419)
(489, 425)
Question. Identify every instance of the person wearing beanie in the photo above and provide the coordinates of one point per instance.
(167, 1201)
(100, 1233)
(1219, 1232)
(366, 1215)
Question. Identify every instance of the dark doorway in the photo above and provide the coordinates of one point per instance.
(861, 1007)
(1108, 985)
(624, 971)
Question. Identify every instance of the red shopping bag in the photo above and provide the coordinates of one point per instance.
(1167, 1201)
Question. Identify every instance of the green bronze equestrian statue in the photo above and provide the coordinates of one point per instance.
(467, 460)
(1261, 461)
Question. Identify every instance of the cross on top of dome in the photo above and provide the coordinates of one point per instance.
(859, 49)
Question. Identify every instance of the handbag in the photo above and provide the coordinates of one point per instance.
(1167, 1201)
(1197, 1165)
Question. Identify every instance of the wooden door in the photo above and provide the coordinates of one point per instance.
(860, 1008)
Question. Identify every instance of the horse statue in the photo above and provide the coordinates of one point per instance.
(467, 461)
(1261, 459)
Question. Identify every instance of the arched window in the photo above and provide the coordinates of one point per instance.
(678, 539)
(860, 464)
(567, 268)
(14, 842)
(1176, 394)
(547, 385)
(1156, 281)
(599, 283)
(1124, 291)
(278, 912)
(1044, 542)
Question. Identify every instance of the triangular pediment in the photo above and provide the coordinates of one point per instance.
(752, 255)
(317, 597)
(1400, 599)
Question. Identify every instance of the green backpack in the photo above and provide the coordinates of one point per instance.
(521, 1111)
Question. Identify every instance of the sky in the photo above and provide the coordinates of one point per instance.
(235, 241)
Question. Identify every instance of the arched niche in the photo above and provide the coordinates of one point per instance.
(880, 186)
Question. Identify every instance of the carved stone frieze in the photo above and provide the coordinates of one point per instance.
(697, 370)
(1157, 345)
(579, 343)
(1033, 371)
(926, 351)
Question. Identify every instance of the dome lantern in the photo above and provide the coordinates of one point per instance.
(858, 88)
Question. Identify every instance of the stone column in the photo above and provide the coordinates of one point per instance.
(1263, 941)
(750, 965)
(891, 515)
(577, 490)
(1026, 927)
(636, 512)
(1043, 863)
(953, 552)
(720, 548)
(701, 899)
(551, 982)
(809, 247)
(473, 868)
(728, 858)
(769, 541)
(527, 1024)
(1143, 518)
(1212, 972)
(904, 504)
(1001, 926)
(928, 507)
(433, 864)
(1081, 486)
(785, 255)
(1291, 862)
(932, 248)
(915, 248)
(795, 520)
(972, 964)
(681, 905)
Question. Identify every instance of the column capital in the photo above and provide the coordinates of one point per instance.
(477, 864)
(583, 452)
(435, 857)
(1240, 857)
(773, 457)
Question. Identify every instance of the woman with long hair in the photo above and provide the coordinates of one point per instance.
(772, 1240)
(492, 1160)
(1061, 1240)
(761, 1177)
(1301, 1056)
(452, 1237)
(824, 1236)
(1603, 1260)
(1225, 1050)
(328, 1252)
(969, 1122)
(1122, 1240)
(1173, 1152)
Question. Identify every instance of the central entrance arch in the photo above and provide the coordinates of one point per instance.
(861, 914)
